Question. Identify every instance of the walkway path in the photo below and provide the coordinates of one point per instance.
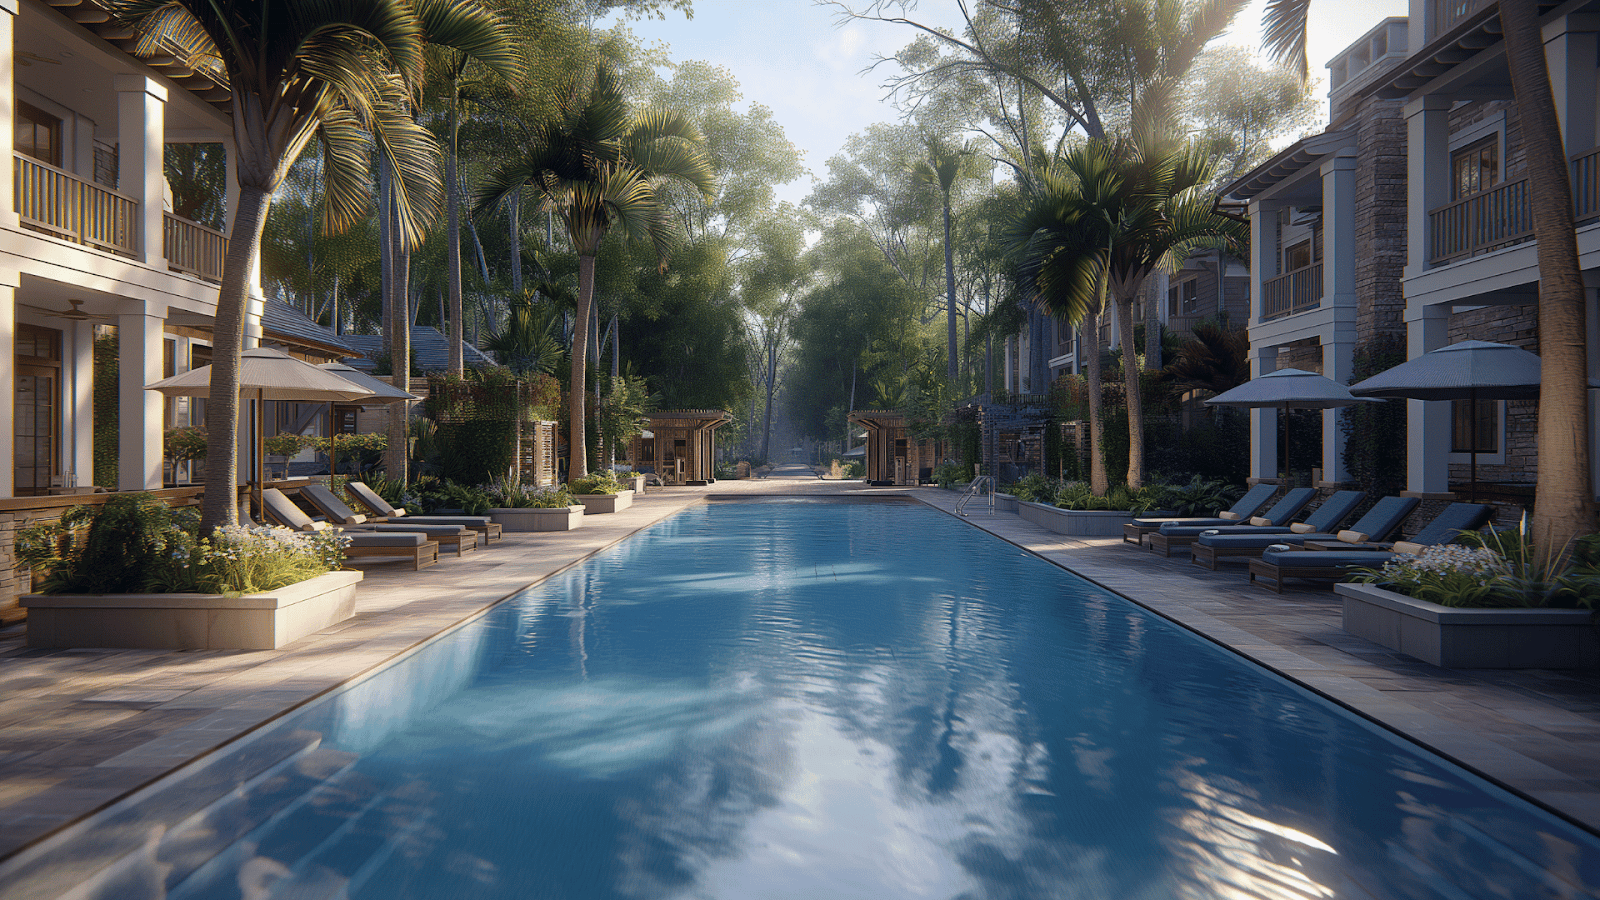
(81, 728)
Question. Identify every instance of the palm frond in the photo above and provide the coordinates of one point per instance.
(1284, 25)
(475, 30)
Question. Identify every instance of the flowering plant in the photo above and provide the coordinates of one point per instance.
(596, 483)
(1446, 574)
(510, 493)
(134, 543)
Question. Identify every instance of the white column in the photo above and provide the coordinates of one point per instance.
(1339, 232)
(8, 119)
(9, 281)
(80, 404)
(1263, 254)
(253, 309)
(1263, 422)
(1427, 174)
(141, 143)
(1571, 48)
(1338, 361)
(139, 411)
(1427, 422)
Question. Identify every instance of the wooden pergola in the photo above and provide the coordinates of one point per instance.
(680, 445)
(893, 457)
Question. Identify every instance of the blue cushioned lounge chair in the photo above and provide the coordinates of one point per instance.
(383, 512)
(1248, 505)
(1379, 524)
(1277, 564)
(1173, 535)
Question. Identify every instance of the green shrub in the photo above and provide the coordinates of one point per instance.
(1497, 569)
(1033, 488)
(1198, 497)
(136, 544)
(856, 470)
(510, 493)
(946, 474)
(107, 432)
(597, 483)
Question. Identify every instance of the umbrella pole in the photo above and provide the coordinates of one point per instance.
(261, 452)
(1472, 421)
(1288, 476)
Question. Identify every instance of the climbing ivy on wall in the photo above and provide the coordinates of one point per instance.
(106, 447)
(1375, 433)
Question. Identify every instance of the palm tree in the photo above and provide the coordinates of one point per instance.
(528, 342)
(1160, 213)
(596, 165)
(940, 168)
(339, 72)
(1564, 504)
(1059, 240)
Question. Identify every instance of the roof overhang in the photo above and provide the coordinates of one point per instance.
(1474, 34)
(1288, 162)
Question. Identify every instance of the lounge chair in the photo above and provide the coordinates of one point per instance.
(1173, 535)
(411, 545)
(1379, 524)
(1334, 562)
(383, 512)
(1248, 505)
(455, 537)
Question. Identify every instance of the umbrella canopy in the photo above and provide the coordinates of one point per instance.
(1461, 371)
(266, 374)
(382, 392)
(1288, 389)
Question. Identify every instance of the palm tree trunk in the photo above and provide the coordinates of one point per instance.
(577, 451)
(950, 292)
(219, 506)
(453, 242)
(1130, 375)
(766, 419)
(1564, 503)
(514, 214)
(1152, 332)
(1098, 482)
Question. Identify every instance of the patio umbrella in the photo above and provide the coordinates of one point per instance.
(1469, 370)
(267, 375)
(383, 394)
(1287, 389)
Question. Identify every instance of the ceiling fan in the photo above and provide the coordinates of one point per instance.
(76, 314)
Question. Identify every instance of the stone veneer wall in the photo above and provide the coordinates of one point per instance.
(14, 582)
(1380, 219)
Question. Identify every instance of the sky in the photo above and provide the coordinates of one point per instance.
(793, 57)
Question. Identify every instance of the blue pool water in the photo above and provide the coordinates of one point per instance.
(828, 700)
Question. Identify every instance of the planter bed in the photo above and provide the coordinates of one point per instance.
(264, 621)
(597, 504)
(1471, 638)
(1005, 503)
(1075, 522)
(556, 518)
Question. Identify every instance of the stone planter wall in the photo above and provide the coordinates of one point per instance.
(1471, 638)
(636, 481)
(1078, 523)
(558, 518)
(597, 504)
(264, 621)
(1005, 503)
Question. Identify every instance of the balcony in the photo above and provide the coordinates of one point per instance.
(60, 204)
(1448, 13)
(55, 202)
(1502, 215)
(193, 248)
(1292, 292)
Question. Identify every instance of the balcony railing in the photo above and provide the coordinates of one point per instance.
(1292, 292)
(1586, 184)
(1482, 221)
(61, 204)
(1446, 13)
(193, 248)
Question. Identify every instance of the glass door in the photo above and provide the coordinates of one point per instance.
(36, 427)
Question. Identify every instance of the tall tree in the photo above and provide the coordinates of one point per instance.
(297, 70)
(940, 167)
(595, 166)
(1564, 505)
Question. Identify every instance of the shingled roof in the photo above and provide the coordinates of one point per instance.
(431, 350)
(284, 324)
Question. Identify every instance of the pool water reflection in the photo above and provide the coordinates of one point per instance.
(815, 700)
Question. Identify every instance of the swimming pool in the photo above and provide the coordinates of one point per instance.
(836, 700)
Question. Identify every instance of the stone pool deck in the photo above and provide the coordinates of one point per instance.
(81, 728)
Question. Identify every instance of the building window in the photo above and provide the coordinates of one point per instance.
(1488, 422)
(1297, 256)
(1475, 167)
(38, 134)
(1183, 298)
